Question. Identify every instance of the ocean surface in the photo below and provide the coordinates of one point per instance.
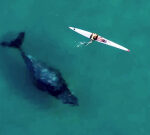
(113, 86)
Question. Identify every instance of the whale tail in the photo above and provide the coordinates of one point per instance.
(16, 43)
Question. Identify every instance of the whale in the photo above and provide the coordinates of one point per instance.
(44, 77)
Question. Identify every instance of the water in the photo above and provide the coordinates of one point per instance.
(112, 85)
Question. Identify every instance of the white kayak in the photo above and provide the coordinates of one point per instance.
(99, 39)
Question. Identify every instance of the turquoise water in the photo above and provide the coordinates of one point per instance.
(112, 85)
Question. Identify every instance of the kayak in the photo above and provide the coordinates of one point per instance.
(99, 39)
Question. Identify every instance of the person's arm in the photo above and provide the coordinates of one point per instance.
(89, 42)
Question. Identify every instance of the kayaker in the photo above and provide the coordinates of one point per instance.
(95, 36)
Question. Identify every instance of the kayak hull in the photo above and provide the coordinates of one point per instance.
(99, 39)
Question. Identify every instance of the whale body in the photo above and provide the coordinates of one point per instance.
(44, 77)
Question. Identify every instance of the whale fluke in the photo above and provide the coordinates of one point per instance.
(16, 43)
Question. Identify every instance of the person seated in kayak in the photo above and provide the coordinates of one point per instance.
(95, 36)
